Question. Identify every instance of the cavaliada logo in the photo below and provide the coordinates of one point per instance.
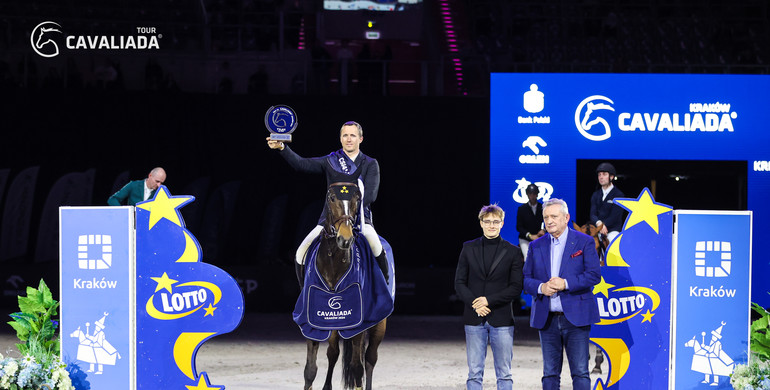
(597, 116)
(48, 39)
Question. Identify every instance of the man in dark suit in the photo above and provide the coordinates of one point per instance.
(529, 219)
(489, 276)
(561, 269)
(138, 190)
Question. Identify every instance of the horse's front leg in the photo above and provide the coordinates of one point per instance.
(311, 368)
(332, 354)
(376, 334)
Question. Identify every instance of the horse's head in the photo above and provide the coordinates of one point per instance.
(342, 200)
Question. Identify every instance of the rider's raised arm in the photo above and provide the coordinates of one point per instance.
(303, 164)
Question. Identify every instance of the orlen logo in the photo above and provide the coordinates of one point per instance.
(587, 119)
(44, 39)
(334, 302)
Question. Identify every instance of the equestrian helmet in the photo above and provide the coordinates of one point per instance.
(606, 167)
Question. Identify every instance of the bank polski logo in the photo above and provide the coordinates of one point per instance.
(588, 117)
(334, 302)
(534, 100)
(713, 259)
(100, 246)
(520, 193)
(45, 39)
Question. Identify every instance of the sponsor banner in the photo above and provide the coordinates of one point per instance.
(96, 263)
(49, 39)
(712, 296)
(181, 302)
(634, 299)
(542, 124)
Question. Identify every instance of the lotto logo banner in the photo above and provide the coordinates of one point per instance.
(181, 302)
(634, 298)
(712, 291)
(96, 252)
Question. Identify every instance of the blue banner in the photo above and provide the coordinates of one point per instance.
(541, 124)
(712, 287)
(96, 294)
(181, 302)
(634, 298)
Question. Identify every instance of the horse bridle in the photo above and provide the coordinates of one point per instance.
(346, 216)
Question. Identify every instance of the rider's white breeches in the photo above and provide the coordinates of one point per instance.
(368, 232)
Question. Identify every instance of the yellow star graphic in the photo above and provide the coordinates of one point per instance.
(164, 282)
(209, 310)
(203, 384)
(163, 206)
(603, 287)
(643, 209)
(344, 190)
(648, 316)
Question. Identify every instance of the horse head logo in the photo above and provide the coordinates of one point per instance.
(334, 302)
(281, 119)
(43, 39)
(588, 119)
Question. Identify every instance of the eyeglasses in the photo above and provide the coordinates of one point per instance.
(488, 222)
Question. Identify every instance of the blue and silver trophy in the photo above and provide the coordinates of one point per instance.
(281, 121)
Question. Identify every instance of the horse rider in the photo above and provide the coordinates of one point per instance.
(529, 219)
(605, 214)
(347, 164)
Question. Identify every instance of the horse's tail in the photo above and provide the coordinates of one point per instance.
(348, 379)
(348, 372)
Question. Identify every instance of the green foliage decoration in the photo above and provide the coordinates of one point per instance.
(34, 324)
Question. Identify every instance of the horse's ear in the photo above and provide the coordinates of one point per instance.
(576, 226)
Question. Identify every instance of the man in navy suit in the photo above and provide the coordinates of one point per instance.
(560, 271)
(488, 278)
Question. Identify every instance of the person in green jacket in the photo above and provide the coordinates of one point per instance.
(138, 190)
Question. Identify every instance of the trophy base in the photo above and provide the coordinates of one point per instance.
(280, 137)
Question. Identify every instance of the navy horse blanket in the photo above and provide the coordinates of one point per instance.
(360, 300)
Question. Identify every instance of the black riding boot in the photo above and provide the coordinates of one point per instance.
(382, 261)
(299, 269)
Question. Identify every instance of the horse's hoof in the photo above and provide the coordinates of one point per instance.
(596, 370)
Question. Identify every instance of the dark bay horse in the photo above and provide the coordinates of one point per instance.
(333, 261)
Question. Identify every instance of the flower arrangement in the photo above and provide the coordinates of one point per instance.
(39, 367)
(755, 375)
